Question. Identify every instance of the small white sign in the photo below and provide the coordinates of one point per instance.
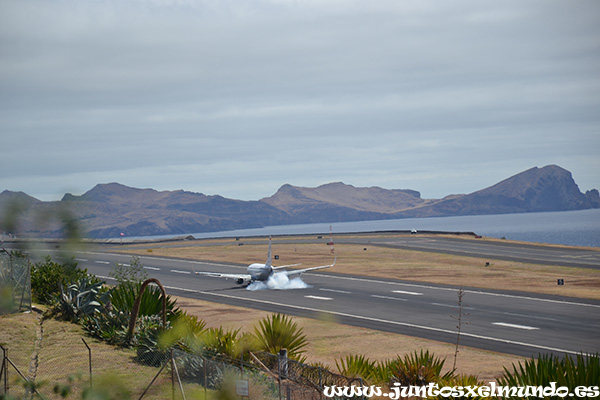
(241, 387)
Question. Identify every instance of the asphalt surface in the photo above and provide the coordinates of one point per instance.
(517, 323)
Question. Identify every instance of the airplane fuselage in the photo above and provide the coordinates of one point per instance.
(262, 272)
(259, 272)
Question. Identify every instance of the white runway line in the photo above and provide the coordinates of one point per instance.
(529, 328)
(388, 297)
(379, 320)
(152, 268)
(405, 292)
(335, 291)
(101, 262)
(180, 272)
(318, 297)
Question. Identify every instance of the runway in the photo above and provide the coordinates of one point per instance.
(516, 323)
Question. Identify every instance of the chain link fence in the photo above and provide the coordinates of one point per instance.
(302, 381)
(54, 372)
(15, 283)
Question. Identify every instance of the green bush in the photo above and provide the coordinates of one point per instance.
(357, 366)
(133, 272)
(277, 332)
(186, 333)
(123, 296)
(112, 322)
(418, 369)
(108, 325)
(79, 300)
(148, 349)
(583, 370)
(48, 277)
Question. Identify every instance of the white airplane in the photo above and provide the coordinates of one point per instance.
(262, 272)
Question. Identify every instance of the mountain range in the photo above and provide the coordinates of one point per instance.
(110, 209)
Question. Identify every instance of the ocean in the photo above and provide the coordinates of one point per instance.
(574, 228)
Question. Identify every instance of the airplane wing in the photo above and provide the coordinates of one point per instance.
(285, 266)
(295, 272)
(236, 277)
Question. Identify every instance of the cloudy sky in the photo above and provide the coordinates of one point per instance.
(238, 97)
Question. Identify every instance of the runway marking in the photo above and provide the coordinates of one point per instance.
(319, 297)
(581, 257)
(180, 272)
(456, 290)
(388, 297)
(335, 291)
(479, 292)
(102, 262)
(152, 268)
(444, 305)
(81, 259)
(405, 292)
(529, 328)
(372, 319)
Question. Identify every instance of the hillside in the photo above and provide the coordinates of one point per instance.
(110, 209)
(550, 188)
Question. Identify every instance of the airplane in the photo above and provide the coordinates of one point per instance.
(262, 272)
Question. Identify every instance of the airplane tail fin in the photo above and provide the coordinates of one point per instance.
(268, 262)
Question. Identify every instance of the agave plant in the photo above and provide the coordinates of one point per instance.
(277, 332)
(123, 296)
(79, 300)
(186, 333)
(584, 370)
(418, 369)
(227, 342)
(148, 348)
(357, 366)
(109, 325)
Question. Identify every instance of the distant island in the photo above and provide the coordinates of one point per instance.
(109, 210)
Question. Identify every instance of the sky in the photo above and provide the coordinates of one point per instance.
(239, 97)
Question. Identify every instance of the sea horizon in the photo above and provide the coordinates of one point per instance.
(572, 228)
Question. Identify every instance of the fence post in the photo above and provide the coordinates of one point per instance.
(89, 360)
(4, 369)
(205, 372)
(283, 368)
(320, 381)
(172, 375)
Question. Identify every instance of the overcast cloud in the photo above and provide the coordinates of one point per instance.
(240, 97)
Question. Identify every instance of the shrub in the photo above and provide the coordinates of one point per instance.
(357, 366)
(186, 333)
(129, 273)
(108, 325)
(277, 332)
(148, 349)
(48, 277)
(584, 370)
(418, 369)
(123, 296)
(79, 300)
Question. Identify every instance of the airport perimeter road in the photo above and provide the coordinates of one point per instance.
(522, 324)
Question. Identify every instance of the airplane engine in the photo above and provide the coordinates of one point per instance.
(239, 281)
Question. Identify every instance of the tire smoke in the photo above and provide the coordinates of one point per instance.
(278, 281)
